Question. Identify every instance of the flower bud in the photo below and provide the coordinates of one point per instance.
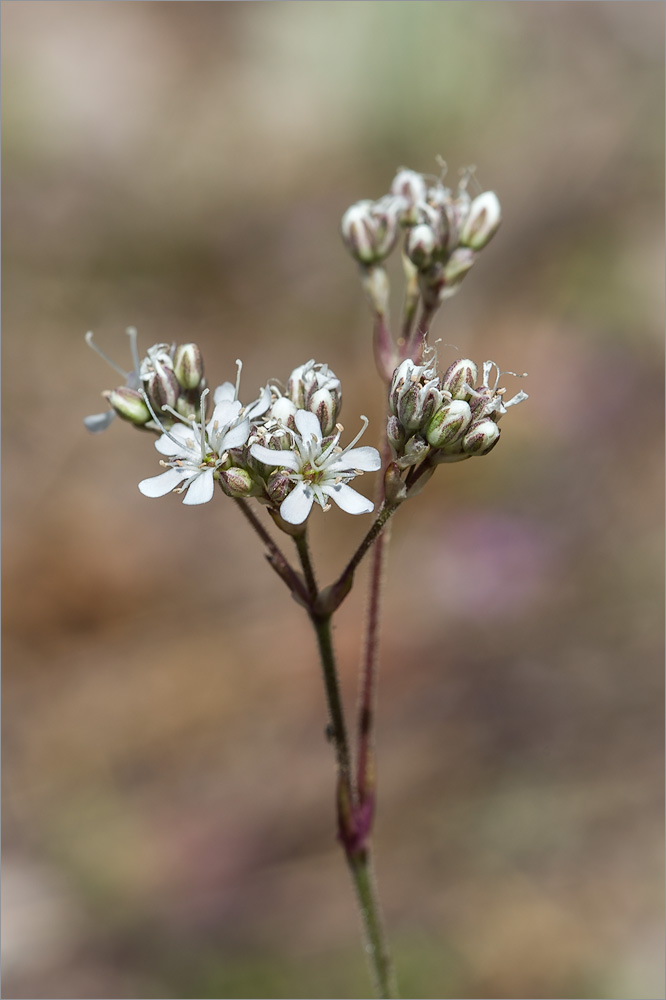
(283, 410)
(324, 404)
(128, 404)
(395, 434)
(188, 366)
(483, 403)
(414, 395)
(482, 221)
(421, 246)
(370, 229)
(409, 185)
(449, 423)
(162, 387)
(455, 269)
(459, 378)
(411, 188)
(415, 451)
(237, 482)
(481, 437)
(316, 382)
(394, 487)
(278, 487)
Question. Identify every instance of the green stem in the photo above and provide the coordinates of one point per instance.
(386, 511)
(358, 859)
(301, 541)
(362, 872)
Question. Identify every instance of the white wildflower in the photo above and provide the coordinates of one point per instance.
(320, 470)
(196, 451)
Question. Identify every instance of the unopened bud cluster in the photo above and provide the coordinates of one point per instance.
(444, 230)
(166, 383)
(444, 419)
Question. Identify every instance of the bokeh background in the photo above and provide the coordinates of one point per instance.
(168, 816)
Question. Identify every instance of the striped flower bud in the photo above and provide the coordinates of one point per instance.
(410, 186)
(326, 406)
(316, 388)
(188, 366)
(459, 378)
(414, 395)
(370, 229)
(395, 434)
(421, 246)
(485, 215)
(481, 437)
(128, 404)
(414, 452)
(237, 482)
(449, 424)
(279, 486)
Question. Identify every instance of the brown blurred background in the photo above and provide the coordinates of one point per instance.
(168, 807)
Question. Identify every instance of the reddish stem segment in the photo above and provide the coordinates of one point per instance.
(369, 666)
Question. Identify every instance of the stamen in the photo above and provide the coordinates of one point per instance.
(132, 334)
(203, 422)
(239, 365)
(442, 164)
(105, 357)
(158, 421)
(487, 368)
(360, 433)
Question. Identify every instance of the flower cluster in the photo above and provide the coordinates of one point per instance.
(444, 230)
(448, 418)
(283, 448)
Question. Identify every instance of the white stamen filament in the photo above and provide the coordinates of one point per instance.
(105, 357)
(132, 334)
(203, 424)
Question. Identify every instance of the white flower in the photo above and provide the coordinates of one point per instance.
(195, 452)
(319, 470)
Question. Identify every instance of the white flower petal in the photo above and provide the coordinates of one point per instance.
(366, 459)
(296, 507)
(226, 391)
(348, 499)
(159, 486)
(236, 437)
(224, 414)
(307, 425)
(259, 407)
(186, 441)
(97, 422)
(201, 489)
(518, 398)
(275, 459)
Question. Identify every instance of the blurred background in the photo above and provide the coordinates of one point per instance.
(168, 792)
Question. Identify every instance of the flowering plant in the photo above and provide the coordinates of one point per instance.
(283, 451)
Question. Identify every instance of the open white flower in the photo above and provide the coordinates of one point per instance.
(195, 452)
(320, 471)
